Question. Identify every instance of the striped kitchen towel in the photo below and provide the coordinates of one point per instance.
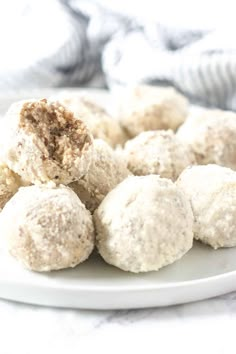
(60, 43)
(201, 64)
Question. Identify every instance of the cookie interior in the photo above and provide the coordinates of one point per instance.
(63, 136)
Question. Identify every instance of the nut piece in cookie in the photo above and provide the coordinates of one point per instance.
(211, 190)
(105, 172)
(151, 108)
(145, 223)
(43, 141)
(52, 229)
(158, 152)
(211, 134)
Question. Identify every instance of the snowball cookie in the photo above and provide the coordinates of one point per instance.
(101, 125)
(51, 230)
(212, 136)
(212, 193)
(144, 224)
(105, 172)
(158, 152)
(9, 184)
(151, 108)
(43, 141)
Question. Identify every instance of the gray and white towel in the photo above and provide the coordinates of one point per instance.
(59, 43)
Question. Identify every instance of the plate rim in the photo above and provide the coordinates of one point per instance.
(119, 288)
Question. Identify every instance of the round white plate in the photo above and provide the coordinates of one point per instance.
(200, 274)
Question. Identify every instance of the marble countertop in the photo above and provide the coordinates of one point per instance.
(201, 327)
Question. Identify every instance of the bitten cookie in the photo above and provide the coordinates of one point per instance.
(158, 152)
(145, 223)
(47, 228)
(43, 141)
(145, 108)
(211, 190)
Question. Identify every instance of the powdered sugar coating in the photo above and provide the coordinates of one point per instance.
(211, 134)
(145, 223)
(105, 172)
(158, 152)
(43, 141)
(51, 230)
(145, 108)
(211, 190)
(9, 184)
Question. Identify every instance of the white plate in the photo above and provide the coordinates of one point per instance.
(200, 274)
